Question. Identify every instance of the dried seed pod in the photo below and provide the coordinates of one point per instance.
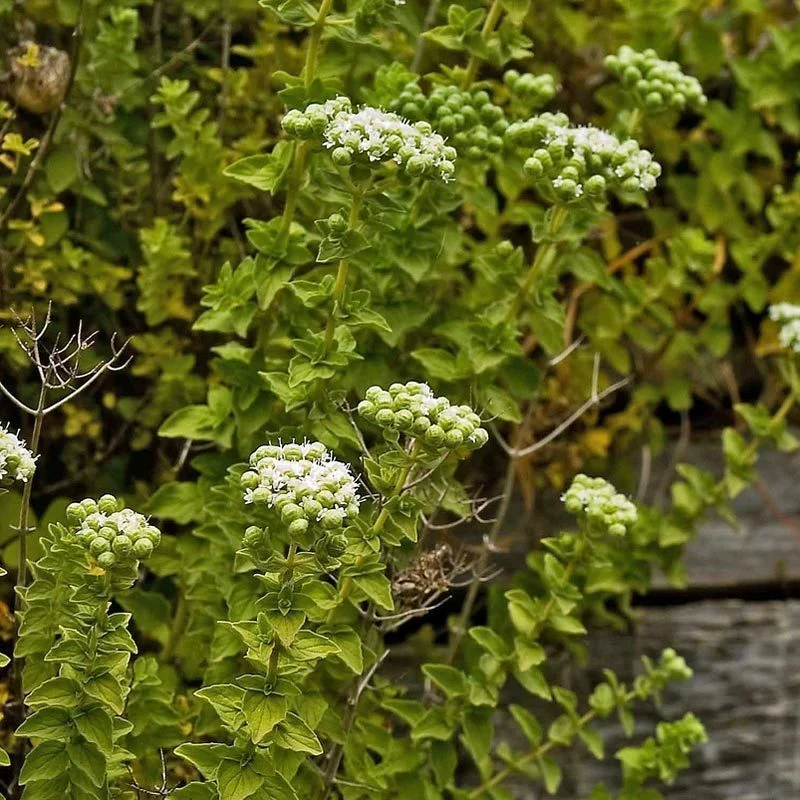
(40, 76)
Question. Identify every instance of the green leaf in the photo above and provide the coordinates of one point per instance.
(89, 759)
(226, 699)
(285, 626)
(62, 692)
(195, 791)
(349, 644)
(451, 681)
(551, 774)
(528, 723)
(46, 760)
(534, 681)
(52, 724)
(206, 757)
(565, 624)
(106, 688)
(95, 725)
(478, 733)
(377, 587)
(444, 760)
(294, 734)
(432, 725)
(264, 172)
(179, 502)
(262, 713)
(237, 781)
(593, 741)
(490, 641)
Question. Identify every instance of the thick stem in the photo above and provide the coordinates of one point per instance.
(489, 24)
(177, 630)
(25, 508)
(544, 253)
(347, 584)
(300, 153)
(341, 278)
(634, 121)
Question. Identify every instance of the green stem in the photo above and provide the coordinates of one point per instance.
(341, 278)
(177, 629)
(489, 24)
(300, 152)
(538, 752)
(347, 583)
(634, 121)
(544, 253)
(778, 416)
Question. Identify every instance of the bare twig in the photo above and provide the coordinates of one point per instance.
(595, 398)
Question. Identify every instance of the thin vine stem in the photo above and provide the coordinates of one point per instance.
(539, 751)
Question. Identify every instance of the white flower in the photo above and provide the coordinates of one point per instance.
(301, 481)
(788, 315)
(16, 460)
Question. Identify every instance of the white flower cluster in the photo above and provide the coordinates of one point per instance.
(111, 533)
(303, 484)
(17, 463)
(570, 162)
(788, 316)
(370, 135)
(601, 504)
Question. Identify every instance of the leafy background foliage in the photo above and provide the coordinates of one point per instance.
(154, 205)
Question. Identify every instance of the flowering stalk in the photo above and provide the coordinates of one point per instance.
(340, 285)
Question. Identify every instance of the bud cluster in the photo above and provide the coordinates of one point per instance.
(304, 485)
(17, 463)
(655, 84)
(414, 410)
(473, 125)
(368, 135)
(114, 535)
(601, 504)
(788, 316)
(534, 91)
(570, 162)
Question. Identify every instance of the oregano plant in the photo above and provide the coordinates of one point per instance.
(385, 265)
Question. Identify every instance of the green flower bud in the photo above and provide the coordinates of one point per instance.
(106, 560)
(99, 545)
(89, 505)
(454, 438)
(107, 533)
(298, 527)
(435, 436)
(122, 545)
(107, 504)
(76, 513)
(142, 549)
(290, 512)
(249, 480)
(342, 157)
(385, 417)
